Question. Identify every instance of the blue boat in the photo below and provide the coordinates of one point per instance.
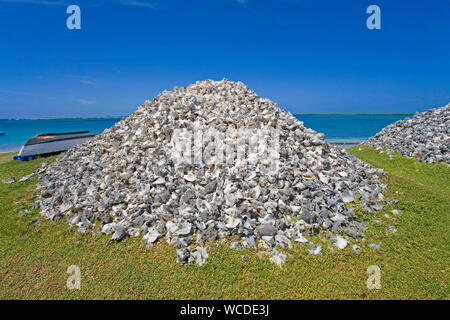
(2, 133)
(48, 143)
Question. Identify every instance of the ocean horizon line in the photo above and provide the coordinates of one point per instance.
(295, 114)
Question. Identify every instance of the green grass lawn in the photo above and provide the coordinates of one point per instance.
(414, 264)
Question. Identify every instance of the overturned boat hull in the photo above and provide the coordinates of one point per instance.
(51, 143)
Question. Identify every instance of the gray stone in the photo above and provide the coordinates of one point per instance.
(376, 246)
(266, 230)
(269, 240)
(336, 227)
(278, 258)
(184, 229)
(236, 245)
(377, 207)
(27, 177)
(9, 180)
(356, 248)
(250, 241)
(108, 228)
(315, 249)
(134, 232)
(327, 224)
(211, 187)
(397, 212)
(353, 231)
(183, 255)
(76, 219)
(107, 219)
(339, 242)
(183, 242)
(119, 233)
(283, 241)
(348, 197)
(152, 235)
(165, 196)
(210, 234)
(300, 238)
(199, 256)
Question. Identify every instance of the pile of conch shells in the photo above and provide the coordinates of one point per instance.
(425, 136)
(149, 175)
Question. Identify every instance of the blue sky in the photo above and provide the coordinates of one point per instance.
(309, 56)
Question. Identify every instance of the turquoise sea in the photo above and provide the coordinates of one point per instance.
(337, 128)
(349, 128)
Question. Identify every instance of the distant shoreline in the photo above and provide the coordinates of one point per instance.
(295, 114)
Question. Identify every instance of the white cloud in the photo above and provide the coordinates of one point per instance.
(84, 79)
(89, 82)
(85, 102)
(20, 93)
(139, 3)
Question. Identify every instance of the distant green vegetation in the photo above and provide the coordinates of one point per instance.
(35, 254)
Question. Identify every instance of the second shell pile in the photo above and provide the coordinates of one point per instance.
(130, 180)
(425, 136)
